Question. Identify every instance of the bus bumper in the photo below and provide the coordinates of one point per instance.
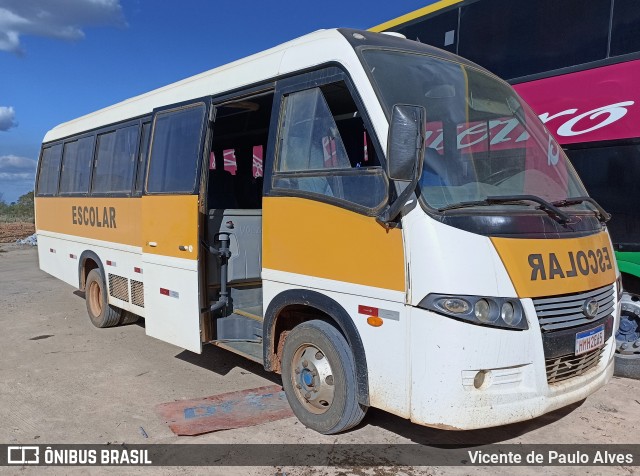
(448, 354)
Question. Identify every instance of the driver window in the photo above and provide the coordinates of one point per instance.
(324, 148)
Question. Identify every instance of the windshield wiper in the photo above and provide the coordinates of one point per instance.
(550, 208)
(601, 213)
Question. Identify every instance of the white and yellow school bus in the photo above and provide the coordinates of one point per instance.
(383, 223)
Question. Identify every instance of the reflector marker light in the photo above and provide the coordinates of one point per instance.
(72, 256)
(137, 270)
(381, 313)
(51, 250)
(111, 263)
(168, 292)
(368, 310)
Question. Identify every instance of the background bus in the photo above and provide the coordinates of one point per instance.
(577, 64)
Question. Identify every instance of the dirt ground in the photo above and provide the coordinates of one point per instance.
(64, 381)
(10, 232)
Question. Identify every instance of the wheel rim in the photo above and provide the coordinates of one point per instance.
(628, 335)
(312, 378)
(95, 299)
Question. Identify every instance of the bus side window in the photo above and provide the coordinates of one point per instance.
(49, 170)
(175, 150)
(115, 161)
(325, 150)
(76, 166)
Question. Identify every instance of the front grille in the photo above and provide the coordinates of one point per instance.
(137, 293)
(568, 366)
(563, 312)
(119, 287)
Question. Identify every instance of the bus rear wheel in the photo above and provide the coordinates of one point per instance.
(101, 313)
(319, 378)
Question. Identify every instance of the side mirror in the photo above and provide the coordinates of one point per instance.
(405, 154)
(405, 144)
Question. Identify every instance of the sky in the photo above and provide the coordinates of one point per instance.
(61, 59)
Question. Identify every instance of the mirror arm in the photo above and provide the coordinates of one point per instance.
(389, 213)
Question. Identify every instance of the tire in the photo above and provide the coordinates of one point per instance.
(627, 359)
(331, 404)
(627, 366)
(101, 313)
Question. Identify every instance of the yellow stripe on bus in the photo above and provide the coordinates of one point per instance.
(169, 222)
(316, 239)
(106, 218)
(548, 267)
(415, 14)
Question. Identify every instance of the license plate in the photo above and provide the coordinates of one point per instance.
(589, 340)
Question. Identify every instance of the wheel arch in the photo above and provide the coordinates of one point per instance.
(630, 282)
(317, 305)
(85, 266)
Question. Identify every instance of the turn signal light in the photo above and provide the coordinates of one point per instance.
(374, 321)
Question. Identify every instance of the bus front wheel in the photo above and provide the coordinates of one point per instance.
(319, 378)
(101, 313)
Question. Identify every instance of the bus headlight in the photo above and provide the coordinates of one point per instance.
(509, 315)
(482, 311)
(456, 305)
(505, 313)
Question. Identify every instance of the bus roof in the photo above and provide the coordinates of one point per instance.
(253, 69)
(420, 12)
(320, 47)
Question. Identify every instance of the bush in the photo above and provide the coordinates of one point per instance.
(20, 210)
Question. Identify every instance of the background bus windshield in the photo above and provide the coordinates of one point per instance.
(481, 139)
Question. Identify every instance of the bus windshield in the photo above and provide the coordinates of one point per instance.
(482, 140)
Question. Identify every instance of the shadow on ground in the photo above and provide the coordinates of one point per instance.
(223, 361)
(435, 437)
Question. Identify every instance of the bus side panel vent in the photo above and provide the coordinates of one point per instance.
(137, 293)
(119, 287)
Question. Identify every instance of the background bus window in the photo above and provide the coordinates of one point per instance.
(514, 38)
(439, 31)
(605, 172)
(49, 170)
(142, 156)
(625, 27)
(76, 166)
(115, 161)
(175, 151)
(324, 148)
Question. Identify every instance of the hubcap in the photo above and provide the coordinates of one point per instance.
(312, 378)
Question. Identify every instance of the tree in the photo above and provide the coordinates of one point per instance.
(21, 208)
(24, 205)
(26, 200)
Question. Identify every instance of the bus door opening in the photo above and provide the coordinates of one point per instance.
(234, 223)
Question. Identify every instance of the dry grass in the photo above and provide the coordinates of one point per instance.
(16, 219)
